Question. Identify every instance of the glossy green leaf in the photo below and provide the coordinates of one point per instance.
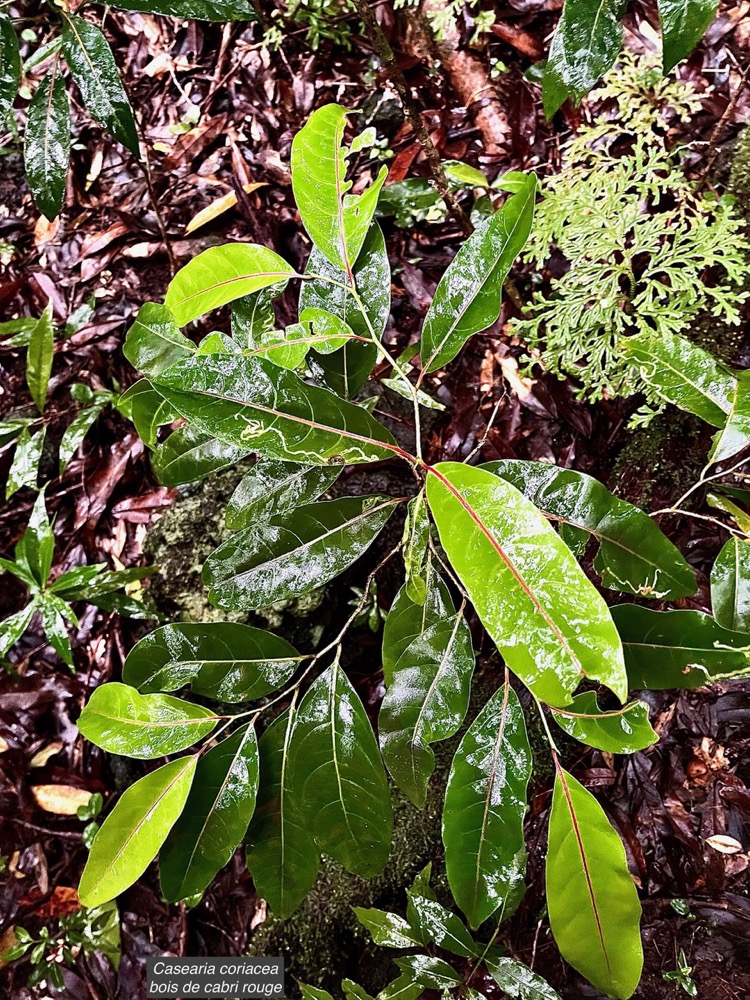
(199, 10)
(621, 730)
(337, 772)
(426, 701)
(634, 556)
(10, 67)
(740, 517)
(431, 973)
(336, 222)
(220, 275)
(593, 906)
(485, 802)
(271, 488)
(683, 374)
(330, 332)
(549, 622)
(254, 317)
(250, 402)
(353, 991)
(36, 547)
(683, 23)
(47, 143)
(95, 71)
(416, 539)
(347, 369)
(281, 853)
(407, 619)
(24, 470)
(735, 435)
(78, 585)
(678, 649)
(730, 585)
(118, 719)
(189, 455)
(442, 927)
(55, 614)
(518, 981)
(293, 553)
(313, 993)
(39, 357)
(404, 987)
(586, 42)
(77, 430)
(387, 930)
(130, 837)
(215, 818)
(227, 661)
(155, 342)
(467, 300)
(14, 626)
(148, 410)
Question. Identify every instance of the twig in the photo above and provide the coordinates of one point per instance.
(146, 164)
(718, 129)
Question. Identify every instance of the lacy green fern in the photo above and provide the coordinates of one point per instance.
(640, 240)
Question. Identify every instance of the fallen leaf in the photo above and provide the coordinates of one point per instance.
(724, 844)
(41, 757)
(63, 800)
(218, 207)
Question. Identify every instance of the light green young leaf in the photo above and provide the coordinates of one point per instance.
(47, 143)
(130, 837)
(518, 981)
(387, 930)
(622, 730)
(683, 23)
(281, 853)
(593, 906)
(95, 71)
(118, 719)
(189, 455)
(155, 342)
(36, 547)
(10, 67)
(678, 649)
(24, 470)
(215, 818)
(293, 553)
(220, 275)
(485, 803)
(332, 329)
(338, 776)
(337, 222)
(735, 435)
(634, 556)
(467, 300)
(39, 357)
(730, 585)
(586, 43)
(250, 402)
(227, 661)
(199, 10)
(549, 622)
(272, 488)
(683, 374)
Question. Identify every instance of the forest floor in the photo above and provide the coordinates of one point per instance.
(217, 112)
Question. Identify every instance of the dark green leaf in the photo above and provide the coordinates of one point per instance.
(467, 300)
(215, 818)
(387, 930)
(148, 410)
(249, 402)
(594, 911)
(353, 991)
(735, 435)
(24, 470)
(220, 275)
(584, 47)
(678, 649)
(407, 619)
(223, 660)
(130, 837)
(337, 222)
(485, 803)
(120, 720)
(432, 973)
(271, 488)
(155, 341)
(404, 987)
(347, 369)
(549, 622)
(281, 853)
(14, 626)
(253, 316)
(337, 772)
(37, 545)
(683, 23)
(416, 540)
(200, 10)
(10, 67)
(104, 582)
(634, 556)
(47, 143)
(683, 374)
(313, 993)
(293, 553)
(426, 700)
(622, 730)
(55, 612)
(39, 357)
(518, 981)
(77, 430)
(730, 585)
(94, 69)
(441, 926)
(189, 455)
